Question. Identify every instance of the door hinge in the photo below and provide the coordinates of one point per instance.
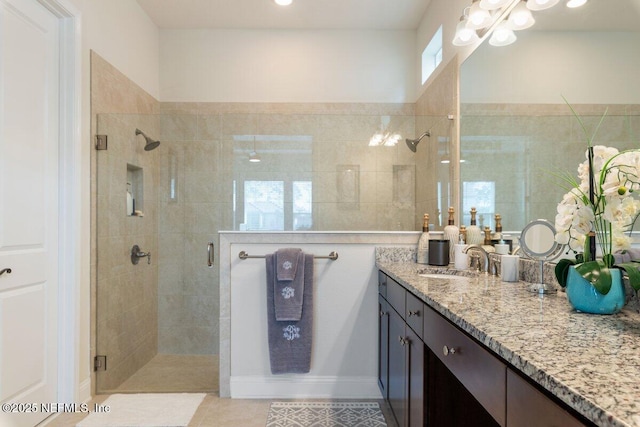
(101, 142)
(100, 363)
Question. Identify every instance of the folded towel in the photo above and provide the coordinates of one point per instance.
(628, 255)
(287, 259)
(288, 294)
(290, 341)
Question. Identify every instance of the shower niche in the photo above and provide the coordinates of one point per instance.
(135, 191)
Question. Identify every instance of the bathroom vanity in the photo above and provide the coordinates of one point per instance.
(477, 351)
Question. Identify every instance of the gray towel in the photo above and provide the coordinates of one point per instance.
(287, 259)
(288, 294)
(290, 341)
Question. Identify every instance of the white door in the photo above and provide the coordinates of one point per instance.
(29, 141)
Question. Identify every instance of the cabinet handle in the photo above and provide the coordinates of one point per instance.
(402, 340)
(5, 270)
(383, 313)
(414, 313)
(448, 350)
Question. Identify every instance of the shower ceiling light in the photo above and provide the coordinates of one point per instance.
(283, 2)
(254, 158)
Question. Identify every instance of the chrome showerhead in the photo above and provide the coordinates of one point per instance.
(413, 143)
(151, 144)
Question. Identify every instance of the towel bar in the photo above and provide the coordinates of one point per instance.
(332, 256)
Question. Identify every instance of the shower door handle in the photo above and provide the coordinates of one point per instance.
(210, 254)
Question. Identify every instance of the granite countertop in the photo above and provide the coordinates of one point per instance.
(591, 362)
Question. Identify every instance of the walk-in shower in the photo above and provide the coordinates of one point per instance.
(413, 143)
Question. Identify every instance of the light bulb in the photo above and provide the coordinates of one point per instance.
(541, 4)
(520, 17)
(575, 3)
(478, 17)
(493, 4)
(283, 2)
(464, 35)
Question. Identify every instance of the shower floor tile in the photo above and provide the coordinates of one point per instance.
(170, 373)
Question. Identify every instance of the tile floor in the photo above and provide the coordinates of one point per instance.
(170, 373)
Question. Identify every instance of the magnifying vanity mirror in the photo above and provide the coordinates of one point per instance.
(537, 242)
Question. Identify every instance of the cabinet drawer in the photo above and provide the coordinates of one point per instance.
(396, 295)
(382, 284)
(414, 314)
(525, 403)
(480, 372)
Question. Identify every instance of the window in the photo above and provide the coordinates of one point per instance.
(432, 55)
(482, 196)
(265, 201)
(264, 205)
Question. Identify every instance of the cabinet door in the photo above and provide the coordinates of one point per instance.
(416, 378)
(397, 368)
(528, 407)
(383, 346)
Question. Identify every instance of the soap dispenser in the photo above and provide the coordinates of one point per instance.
(461, 260)
(487, 246)
(451, 233)
(474, 234)
(423, 242)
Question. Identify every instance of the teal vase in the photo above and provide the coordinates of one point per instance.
(583, 296)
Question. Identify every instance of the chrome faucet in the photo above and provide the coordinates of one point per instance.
(480, 249)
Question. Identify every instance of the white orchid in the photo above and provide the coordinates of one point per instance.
(599, 205)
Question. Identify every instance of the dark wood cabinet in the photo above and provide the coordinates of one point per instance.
(383, 346)
(398, 399)
(529, 407)
(416, 377)
(434, 374)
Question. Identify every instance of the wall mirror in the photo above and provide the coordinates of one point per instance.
(515, 129)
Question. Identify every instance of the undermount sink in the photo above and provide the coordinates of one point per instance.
(441, 276)
(445, 273)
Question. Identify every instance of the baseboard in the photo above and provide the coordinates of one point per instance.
(84, 391)
(304, 387)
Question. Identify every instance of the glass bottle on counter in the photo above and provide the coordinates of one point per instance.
(452, 233)
(474, 234)
(423, 242)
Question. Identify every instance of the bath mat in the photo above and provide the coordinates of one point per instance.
(145, 410)
(325, 414)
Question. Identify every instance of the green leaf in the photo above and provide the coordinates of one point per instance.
(609, 260)
(631, 268)
(562, 270)
(596, 273)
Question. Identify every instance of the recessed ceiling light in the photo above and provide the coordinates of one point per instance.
(283, 2)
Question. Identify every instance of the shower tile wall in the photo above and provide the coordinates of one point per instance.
(127, 293)
(207, 153)
(123, 297)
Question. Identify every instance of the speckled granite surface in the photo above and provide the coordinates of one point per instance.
(591, 362)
